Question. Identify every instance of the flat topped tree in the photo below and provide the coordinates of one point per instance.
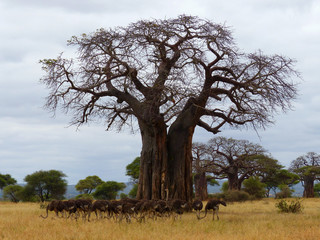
(166, 77)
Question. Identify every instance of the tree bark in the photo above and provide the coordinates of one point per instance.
(200, 184)
(180, 157)
(153, 162)
(308, 191)
(234, 183)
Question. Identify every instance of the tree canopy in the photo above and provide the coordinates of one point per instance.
(108, 190)
(88, 184)
(308, 168)
(234, 159)
(167, 77)
(46, 184)
(133, 170)
(13, 192)
(5, 180)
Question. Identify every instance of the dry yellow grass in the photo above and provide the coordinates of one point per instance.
(242, 221)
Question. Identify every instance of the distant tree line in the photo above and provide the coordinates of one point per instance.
(47, 185)
(249, 171)
(249, 167)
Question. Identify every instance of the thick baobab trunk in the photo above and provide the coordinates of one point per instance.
(180, 158)
(153, 162)
(233, 181)
(308, 191)
(200, 185)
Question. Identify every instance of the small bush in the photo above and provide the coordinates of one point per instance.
(236, 196)
(285, 192)
(123, 196)
(254, 187)
(294, 206)
(84, 196)
(232, 196)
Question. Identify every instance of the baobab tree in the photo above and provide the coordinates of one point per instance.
(235, 160)
(202, 169)
(166, 77)
(307, 167)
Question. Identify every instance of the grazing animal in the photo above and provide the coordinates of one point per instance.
(146, 208)
(84, 206)
(56, 206)
(214, 205)
(178, 206)
(70, 207)
(197, 205)
(161, 208)
(127, 211)
(100, 206)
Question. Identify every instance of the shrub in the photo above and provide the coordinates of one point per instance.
(254, 187)
(133, 191)
(236, 196)
(232, 196)
(294, 206)
(84, 196)
(123, 196)
(285, 192)
(225, 186)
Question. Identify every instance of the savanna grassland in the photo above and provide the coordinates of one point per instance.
(241, 221)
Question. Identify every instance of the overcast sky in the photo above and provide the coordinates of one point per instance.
(31, 139)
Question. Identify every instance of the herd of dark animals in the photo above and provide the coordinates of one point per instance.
(129, 208)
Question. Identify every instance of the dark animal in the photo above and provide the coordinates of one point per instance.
(56, 206)
(214, 205)
(99, 206)
(146, 208)
(83, 206)
(127, 211)
(70, 207)
(178, 206)
(161, 207)
(197, 205)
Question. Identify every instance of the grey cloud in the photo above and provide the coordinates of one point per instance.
(32, 30)
(87, 6)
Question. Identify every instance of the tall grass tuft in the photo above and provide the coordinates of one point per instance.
(293, 206)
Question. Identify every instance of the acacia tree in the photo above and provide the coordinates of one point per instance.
(308, 169)
(202, 168)
(237, 160)
(166, 77)
(88, 184)
(6, 180)
(46, 184)
(276, 176)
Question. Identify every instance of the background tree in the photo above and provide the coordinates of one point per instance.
(170, 75)
(254, 187)
(133, 170)
(47, 184)
(237, 160)
(5, 180)
(285, 191)
(88, 184)
(13, 192)
(308, 169)
(108, 190)
(317, 189)
(275, 177)
(201, 168)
